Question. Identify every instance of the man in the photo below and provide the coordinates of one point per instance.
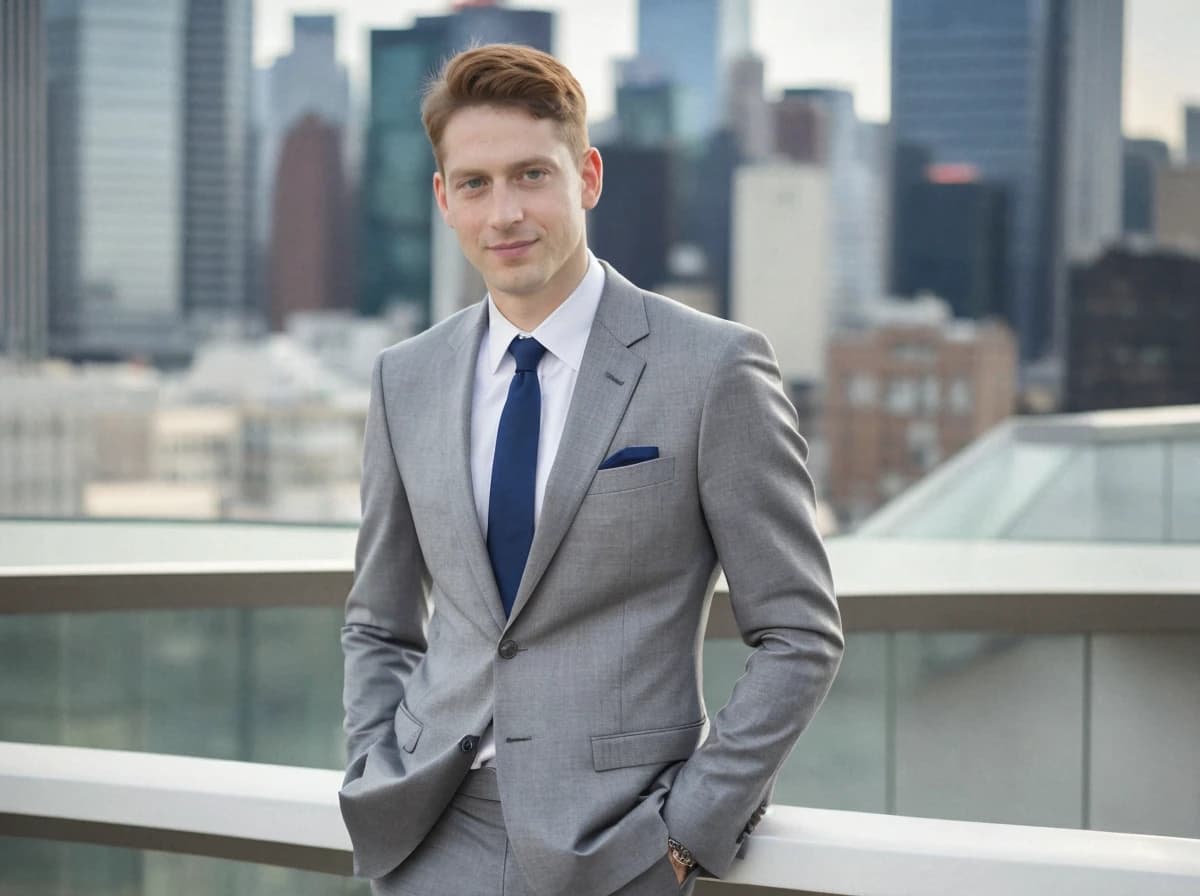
(555, 473)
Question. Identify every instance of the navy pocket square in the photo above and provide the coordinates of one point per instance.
(635, 454)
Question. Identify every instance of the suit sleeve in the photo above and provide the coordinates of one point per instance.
(759, 504)
(383, 638)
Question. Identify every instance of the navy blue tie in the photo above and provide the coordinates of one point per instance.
(514, 472)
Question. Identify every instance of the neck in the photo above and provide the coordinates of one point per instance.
(527, 311)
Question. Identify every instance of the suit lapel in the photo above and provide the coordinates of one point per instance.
(607, 377)
(464, 346)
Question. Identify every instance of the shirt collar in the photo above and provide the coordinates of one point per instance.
(564, 333)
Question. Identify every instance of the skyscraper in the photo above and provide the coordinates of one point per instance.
(1177, 208)
(307, 81)
(782, 211)
(1191, 125)
(955, 246)
(396, 246)
(1134, 317)
(1028, 92)
(800, 128)
(116, 129)
(22, 180)
(1143, 159)
(631, 227)
(748, 111)
(848, 149)
(310, 235)
(647, 113)
(216, 102)
(1092, 44)
(692, 44)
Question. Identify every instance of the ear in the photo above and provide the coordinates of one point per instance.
(592, 173)
(439, 193)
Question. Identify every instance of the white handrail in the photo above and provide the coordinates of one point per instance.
(813, 850)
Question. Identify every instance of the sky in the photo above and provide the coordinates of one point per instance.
(830, 42)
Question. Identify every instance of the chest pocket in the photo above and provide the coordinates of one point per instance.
(620, 479)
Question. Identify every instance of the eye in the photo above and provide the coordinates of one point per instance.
(472, 183)
(535, 174)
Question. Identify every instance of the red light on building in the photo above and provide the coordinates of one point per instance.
(952, 173)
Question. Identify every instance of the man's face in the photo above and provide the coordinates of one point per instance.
(516, 198)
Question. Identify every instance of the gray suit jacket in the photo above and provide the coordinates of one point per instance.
(603, 744)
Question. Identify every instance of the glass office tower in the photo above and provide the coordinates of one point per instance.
(691, 44)
(116, 73)
(1029, 93)
(22, 181)
(216, 155)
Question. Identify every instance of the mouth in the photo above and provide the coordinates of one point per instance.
(513, 249)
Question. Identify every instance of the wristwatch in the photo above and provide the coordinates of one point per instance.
(681, 853)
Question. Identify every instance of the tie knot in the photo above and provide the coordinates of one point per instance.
(527, 352)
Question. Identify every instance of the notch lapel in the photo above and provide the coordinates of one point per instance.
(608, 376)
(464, 345)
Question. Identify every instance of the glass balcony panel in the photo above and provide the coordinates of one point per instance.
(989, 727)
(1145, 728)
(841, 759)
(1184, 492)
(31, 867)
(984, 727)
(31, 687)
(256, 685)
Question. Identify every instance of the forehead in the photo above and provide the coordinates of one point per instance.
(485, 137)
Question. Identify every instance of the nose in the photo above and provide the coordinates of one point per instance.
(506, 207)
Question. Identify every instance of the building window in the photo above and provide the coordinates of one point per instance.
(891, 484)
(924, 450)
(913, 352)
(931, 394)
(902, 396)
(959, 397)
(862, 391)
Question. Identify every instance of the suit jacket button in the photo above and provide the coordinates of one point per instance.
(467, 744)
(508, 649)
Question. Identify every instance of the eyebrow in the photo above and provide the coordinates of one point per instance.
(456, 174)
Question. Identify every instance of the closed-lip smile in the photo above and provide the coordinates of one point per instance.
(513, 247)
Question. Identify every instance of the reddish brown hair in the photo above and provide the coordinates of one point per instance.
(507, 75)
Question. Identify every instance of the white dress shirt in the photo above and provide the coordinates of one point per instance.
(564, 335)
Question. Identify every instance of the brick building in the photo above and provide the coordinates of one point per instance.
(905, 395)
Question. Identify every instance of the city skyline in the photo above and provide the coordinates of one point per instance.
(853, 52)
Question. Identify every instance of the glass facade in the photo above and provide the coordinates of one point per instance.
(970, 84)
(115, 78)
(691, 44)
(217, 164)
(23, 312)
(397, 193)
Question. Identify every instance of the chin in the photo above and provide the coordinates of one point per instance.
(518, 282)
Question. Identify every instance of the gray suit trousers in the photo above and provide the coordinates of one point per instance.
(468, 854)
